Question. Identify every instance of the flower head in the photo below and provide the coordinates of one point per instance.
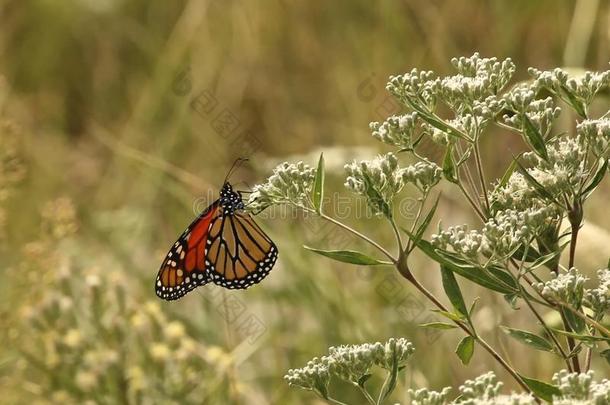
(581, 387)
(290, 183)
(377, 180)
(599, 298)
(568, 287)
(350, 363)
(396, 130)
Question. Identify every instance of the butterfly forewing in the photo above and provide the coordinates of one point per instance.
(183, 268)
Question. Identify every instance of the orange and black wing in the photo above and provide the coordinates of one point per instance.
(183, 268)
(238, 252)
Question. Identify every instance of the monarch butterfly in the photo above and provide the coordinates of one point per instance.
(222, 245)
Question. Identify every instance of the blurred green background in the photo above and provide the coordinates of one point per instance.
(120, 118)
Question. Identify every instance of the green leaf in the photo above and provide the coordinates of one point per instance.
(574, 102)
(529, 338)
(605, 354)
(503, 276)
(375, 197)
(318, 185)
(321, 388)
(362, 380)
(390, 382)
(450, 315)
(448, 166)
(452, 289)
(542, 260)
(602, 167)
(512, 300)
(438, 325)
(476, 274)
(509, 171)
(577, 324)
(424, 225)
(349, 256)
(532, 254)
(581, 337)
(541, 389)
(465, 349)
(534, 137)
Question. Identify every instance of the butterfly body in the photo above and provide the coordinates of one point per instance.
(222, 245)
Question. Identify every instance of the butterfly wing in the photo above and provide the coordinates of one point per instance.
(238, 252)
(183, 268)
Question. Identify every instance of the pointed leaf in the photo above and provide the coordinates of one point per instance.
(574, 102)
(438, 325)
(534, 137)
(581, 337)
(448, 166)
(362, 380)
(349, 256)
(390, 383)
(424, 225)
(602, 168)
(541, 389)
(450, 315)
(452, 289)
(318, 185)
(473, 273)
(577, 324)
(531, 256)
(529, 338)
(512, 300)
(465, 349)
(542, 260)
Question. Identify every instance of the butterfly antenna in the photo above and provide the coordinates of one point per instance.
(234, 166)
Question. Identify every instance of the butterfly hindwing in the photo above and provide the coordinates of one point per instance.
(239, 253)
(183, 268)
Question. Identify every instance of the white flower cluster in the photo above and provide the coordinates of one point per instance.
(568, 286)
(477, 79)
(483, 387)
(500, 237)
(378, 180)
(424, 175)
(425, 396)
(415, 84)
(598, 299)
(581, 389)
(597, 135)
(350, 363)
(522, 102)
(289, 184)
(396, 130)
(516, 193)
(564, 171)
(483, 390)
(559, 81)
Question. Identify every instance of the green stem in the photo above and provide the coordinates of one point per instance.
(404, 270)
(546, 328)
(359, 235)
(477, 155)
(335, 401)
(397, 234)
(601, 328)
(474, 206)
(364, 392)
